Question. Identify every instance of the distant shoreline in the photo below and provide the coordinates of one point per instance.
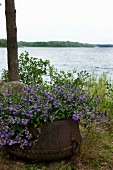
(3, 43)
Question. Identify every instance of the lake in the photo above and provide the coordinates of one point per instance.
(97, 60)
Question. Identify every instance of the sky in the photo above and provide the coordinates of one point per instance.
(85, 21)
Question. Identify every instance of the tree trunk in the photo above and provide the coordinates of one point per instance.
(12, 49)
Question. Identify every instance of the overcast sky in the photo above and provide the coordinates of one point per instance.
(88, 21)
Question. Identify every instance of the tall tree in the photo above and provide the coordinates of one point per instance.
(12, 48)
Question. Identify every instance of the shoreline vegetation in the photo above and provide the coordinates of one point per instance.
(3, 43)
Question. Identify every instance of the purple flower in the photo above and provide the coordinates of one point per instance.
(24, 121)
(77, 116)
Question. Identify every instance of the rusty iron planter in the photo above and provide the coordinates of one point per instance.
(58, 140)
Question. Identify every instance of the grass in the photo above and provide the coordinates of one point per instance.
(97, 145)
(97, 149)
(104, 89)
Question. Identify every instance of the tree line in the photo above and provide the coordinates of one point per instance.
(53, 44)
(3, 43)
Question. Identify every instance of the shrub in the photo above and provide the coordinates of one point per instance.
(31, 70)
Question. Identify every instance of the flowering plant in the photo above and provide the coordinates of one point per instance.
(38, 105)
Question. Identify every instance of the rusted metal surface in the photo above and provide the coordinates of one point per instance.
(58, 140)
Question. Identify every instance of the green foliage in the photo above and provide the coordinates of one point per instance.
(4, 75)
(3, 43)
(103, 87)
(31, 70)
(60, 78)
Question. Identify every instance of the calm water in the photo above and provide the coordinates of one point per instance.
(97, 60)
